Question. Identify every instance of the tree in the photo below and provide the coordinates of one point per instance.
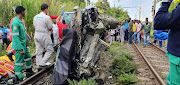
(173, 5)
(104, 7)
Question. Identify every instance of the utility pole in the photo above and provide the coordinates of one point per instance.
(114, 8)
(86, 3)
(154, 11)
(140, 11)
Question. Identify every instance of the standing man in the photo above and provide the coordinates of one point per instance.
(122, 32)
(139, 25)
(4, 38)
(127, 28)
(171, 21)
(1, 36)
(55, 33)
(19, 45)
(43, 24)
(130, 30)
(134, 30)
(147, 28)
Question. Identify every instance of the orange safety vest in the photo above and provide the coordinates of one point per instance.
(6, 68)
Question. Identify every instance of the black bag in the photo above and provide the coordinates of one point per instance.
(65, 55)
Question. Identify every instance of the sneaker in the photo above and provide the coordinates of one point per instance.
(48, 63)
(144, 46)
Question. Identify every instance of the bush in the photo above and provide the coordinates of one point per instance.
(122, 65)
(127, 79)
(127, 55)
(124, 69)
(83, 82)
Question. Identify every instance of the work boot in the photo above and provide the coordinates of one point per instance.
(18, 80)
(29, 73)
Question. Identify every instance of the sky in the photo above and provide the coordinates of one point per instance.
(133, 10)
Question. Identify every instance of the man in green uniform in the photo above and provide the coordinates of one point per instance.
(19, 45)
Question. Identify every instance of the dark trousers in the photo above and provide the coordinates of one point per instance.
(52, 38)
(130, 37)
(4, 42)
(126, 35)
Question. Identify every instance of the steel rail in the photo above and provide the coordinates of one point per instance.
(160, 80)
(156, 46)
(34, 78)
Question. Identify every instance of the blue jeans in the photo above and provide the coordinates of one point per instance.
(139, 38)
(130, 37)
(160, 41)
(146, 38)
(134, 36)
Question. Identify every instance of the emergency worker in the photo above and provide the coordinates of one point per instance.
(43, 25)
(171, 21)
(19, 45)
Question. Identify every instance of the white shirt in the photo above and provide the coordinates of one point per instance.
(55, 28)
(42, 23)
(113, 31)
(138, 27)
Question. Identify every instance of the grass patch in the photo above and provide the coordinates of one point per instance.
(115, 46)
(83, 82)
(122, 64)
(2, 52)
(32, 46)
(126, 79)
(122, 67)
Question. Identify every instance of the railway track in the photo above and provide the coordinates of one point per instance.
(34, 78)
(156, 61)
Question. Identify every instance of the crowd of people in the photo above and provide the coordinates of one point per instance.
(131, 30)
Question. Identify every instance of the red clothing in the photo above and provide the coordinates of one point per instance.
(53, 17)
(61, 26)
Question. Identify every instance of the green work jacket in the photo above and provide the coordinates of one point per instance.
(19, 34)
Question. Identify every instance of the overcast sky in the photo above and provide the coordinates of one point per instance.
(134, 11)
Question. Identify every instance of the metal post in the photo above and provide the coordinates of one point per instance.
(154, 11)
(86, 3)
(140, 11)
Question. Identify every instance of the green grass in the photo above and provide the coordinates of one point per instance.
(126, 79)
(2, 52)
(122, 67)
(83, 82)
(115, 47)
